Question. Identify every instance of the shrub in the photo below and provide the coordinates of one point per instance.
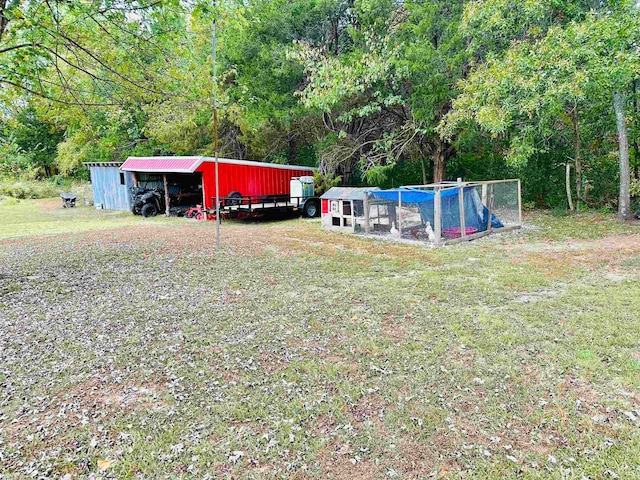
(559, 211)
(8, 202)
(322, 183)
(28, 189)
(14, 161)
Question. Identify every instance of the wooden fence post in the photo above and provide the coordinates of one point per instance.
(490, 207)
(519, 203)
(365, 205)
(400, 212)
(463, 227)
(166, 194)
(437, 216)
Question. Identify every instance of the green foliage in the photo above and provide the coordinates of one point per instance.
(14, 162)
(323, 182)
(74, 150)
(27, 189)
(551, 85)
(37, 189)
(374, 91)
(33, 133)
(28, 145)
(382, 100)
(379, 174)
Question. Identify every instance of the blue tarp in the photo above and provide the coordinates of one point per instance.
(475, 214)
(410, 195)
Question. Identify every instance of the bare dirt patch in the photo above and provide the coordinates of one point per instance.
(49, 204)
(165, 238)
(92, 398)
(86, 406)
(557, 259)
(395, 327)
(309, 240)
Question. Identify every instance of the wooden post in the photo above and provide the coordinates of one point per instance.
(166, 194)
(353, 216)
(437, 216)
(490, 208)
(215, 126)
(204, 199)
(484, 194)
(365, 205)
(399, 216)
(519, 203)
(135, 179)
(463, 228)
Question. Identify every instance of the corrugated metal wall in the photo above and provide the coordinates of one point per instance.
(247, 179)
(107, 189)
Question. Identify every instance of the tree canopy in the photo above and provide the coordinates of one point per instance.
(376, 91)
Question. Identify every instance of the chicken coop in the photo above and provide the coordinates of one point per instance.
(342, 208)
(439, 213)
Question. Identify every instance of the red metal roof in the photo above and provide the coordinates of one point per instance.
(162, 164)
(191, 164)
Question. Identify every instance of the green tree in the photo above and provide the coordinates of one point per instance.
(540, 87)
(382, 100)
(80, 53)
(36, 136)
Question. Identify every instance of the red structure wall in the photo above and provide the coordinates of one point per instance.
(247, 179)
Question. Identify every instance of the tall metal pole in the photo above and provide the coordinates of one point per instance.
(215, 126)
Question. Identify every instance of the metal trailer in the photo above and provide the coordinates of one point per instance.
(301, 199)
(250, 187)
(239, 207)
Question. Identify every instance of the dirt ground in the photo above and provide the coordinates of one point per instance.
(139, 350)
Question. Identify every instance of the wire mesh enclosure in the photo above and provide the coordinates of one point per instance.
(440, 213)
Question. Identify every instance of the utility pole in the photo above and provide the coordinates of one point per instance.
(215, 124)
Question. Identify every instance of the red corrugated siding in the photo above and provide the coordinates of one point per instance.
(246, 179)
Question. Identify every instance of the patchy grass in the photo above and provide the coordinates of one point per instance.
(132, 348)
(582, 226)
(46, 217)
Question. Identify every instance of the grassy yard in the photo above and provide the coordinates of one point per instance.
(131, 348)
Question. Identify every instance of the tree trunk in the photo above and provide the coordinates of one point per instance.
(575, 119)
(438, 166)
(624, 202)
(292, 147)
(334, 35)
(424, 172)
(442, 152)
(568, 185)
(586, 191)
(3, 18)
(636, 146)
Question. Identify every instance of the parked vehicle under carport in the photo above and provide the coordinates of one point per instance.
(150, 198)
(147, 201)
